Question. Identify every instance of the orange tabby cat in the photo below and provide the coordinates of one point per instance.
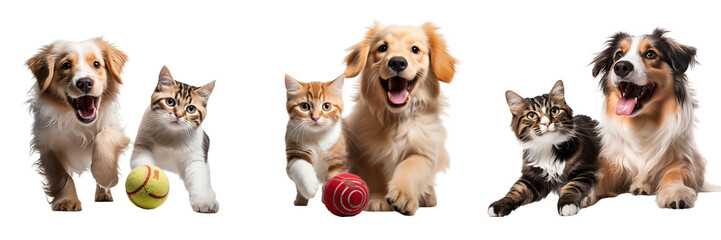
(315, 146)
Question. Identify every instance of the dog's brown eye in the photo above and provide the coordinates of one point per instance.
(619, 54)
(383, 48)
(190, 109)
(96, 64)
(66, 66)
(304, 106)
(170, 102)
(651, 54)
(532, 116)
(415, 50)
(326, 106)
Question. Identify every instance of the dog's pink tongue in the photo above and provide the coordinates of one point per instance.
(86, 107)
(625, 106)
(398, 97)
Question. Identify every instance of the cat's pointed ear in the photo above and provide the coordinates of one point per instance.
(165, 80)
(205, 91)
(513, 99)
(291, 85)
(558, 89)
(337, 84)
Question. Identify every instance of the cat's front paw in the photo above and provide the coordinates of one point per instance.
(676, 196)
(640, 189)
(499, 209)
(568, 209)
(308, 187)
(204, 204)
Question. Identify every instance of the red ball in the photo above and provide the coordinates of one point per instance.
(345, 195)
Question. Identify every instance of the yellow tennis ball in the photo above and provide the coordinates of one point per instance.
(147, 186)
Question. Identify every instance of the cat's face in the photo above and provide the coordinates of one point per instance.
(314, 106)
(179, 106)
(542, 118)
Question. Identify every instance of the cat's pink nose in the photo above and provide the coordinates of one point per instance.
(315, 119)
(546, 123)
(178, 115)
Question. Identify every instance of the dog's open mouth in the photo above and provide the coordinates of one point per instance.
(398, 89)
(85, 107)
(633, 97)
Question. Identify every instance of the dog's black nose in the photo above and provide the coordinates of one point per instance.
(623, 68)
(398, 64)
(84, 84)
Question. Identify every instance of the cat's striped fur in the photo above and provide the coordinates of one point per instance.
(171, 137)
(315, 145)
(560, 153)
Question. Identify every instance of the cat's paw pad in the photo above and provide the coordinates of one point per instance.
(377, 205)
(640, 189)
(676, 196)
(204, 205)
(70, 205)
(497, 209)
(569, 210)
(402, 201)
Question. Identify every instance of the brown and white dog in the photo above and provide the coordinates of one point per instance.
(648, 120)
(395, 132)
(77, 117)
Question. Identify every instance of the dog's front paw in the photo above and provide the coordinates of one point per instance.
(204, 204)
(71, 205)
(676, 196)
(640, 189)
(499, 209)
(103, 194)
(402, 201)
(568, 209)
(377, 204)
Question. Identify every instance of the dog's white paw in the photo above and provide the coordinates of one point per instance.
(204, 204)
(640, 188)
(569, 210)
(491, 212)
(306, 181)
(676, 196)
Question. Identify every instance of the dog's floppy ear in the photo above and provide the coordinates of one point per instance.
(42, 65)
(442, 63)
(603, 62)
(114, 59)
(356, 59)
(680, 56)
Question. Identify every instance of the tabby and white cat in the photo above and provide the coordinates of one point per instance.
(170, 137)
(314, 142)
(560, 153)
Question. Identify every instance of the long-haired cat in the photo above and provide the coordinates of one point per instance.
(314, 142)
(560, 153)
(170, 136)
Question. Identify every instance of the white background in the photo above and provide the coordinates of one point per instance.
(247, 47)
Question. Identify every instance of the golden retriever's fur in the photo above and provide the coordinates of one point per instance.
(398, 148)
(66, 141)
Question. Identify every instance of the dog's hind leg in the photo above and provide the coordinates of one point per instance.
(109, 144)
(59, 184)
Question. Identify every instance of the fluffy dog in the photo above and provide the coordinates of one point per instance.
(76, 117)
(395, 131)
(648, 119)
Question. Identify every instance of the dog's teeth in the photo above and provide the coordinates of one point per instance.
(635, 99)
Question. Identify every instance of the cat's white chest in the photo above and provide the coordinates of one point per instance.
(172, 158)
(320, 148)
(543, 157)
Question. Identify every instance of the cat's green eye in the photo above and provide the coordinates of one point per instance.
(555, 111)
(532, 116)
(190, 109)
(170, 102)
(326, 106)
(304, 106)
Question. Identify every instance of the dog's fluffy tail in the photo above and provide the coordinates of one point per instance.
(707, 187)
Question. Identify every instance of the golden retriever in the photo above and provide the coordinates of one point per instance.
(76, 115)
(395, 131)
(648, 120)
